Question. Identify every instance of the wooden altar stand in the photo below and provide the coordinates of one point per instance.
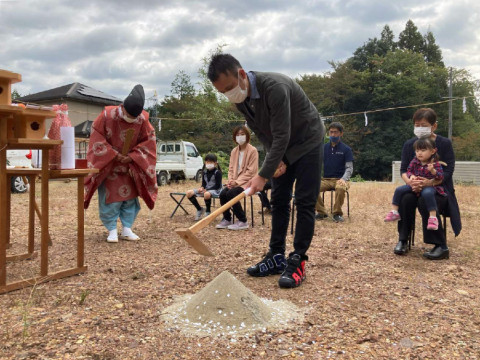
(24, 128)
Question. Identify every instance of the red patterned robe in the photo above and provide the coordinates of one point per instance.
(122, 181)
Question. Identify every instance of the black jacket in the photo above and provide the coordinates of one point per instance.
(285, 120)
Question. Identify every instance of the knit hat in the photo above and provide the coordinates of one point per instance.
(134, 102)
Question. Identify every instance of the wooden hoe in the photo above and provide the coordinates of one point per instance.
(188, 234)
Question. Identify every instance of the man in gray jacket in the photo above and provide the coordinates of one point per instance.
(289, 126)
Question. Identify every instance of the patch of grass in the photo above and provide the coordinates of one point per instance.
(83, 296)
(25, 308)
(62, 299)
(357, 178)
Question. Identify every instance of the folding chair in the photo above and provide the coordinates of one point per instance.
(331, 200)
(179, 201)
(411, 236)
(245, 208)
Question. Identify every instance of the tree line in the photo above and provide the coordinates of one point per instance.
(381, 74)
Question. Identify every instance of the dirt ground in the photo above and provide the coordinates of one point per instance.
(361, 301)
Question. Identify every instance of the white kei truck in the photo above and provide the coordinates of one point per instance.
(19, 158)
(177, 160)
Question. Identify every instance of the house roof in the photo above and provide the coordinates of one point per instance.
(83, 129)
(74, 91)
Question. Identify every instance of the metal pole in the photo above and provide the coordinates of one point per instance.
(450, 107)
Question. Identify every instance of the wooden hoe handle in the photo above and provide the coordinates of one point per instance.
(208, 219)
(189, 234)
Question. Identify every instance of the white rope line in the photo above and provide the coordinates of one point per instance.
(325, 117)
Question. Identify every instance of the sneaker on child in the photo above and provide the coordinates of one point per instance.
(200, 214)
(223, 224)
(319, 216)
(239, 225)
(392, 216)
(270, 265)
(294, 273)
(432, 223)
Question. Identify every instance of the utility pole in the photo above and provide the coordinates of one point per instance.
(450, 107)
(153, 116)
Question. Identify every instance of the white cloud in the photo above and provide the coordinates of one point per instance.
(113, 44)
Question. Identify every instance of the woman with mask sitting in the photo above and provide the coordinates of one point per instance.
(425, 124)
(243, 167)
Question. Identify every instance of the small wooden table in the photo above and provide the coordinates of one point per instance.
(46, 174)
(44, 276)
(23, 127)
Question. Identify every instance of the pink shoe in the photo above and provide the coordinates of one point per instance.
(392, 216)
(432, 223)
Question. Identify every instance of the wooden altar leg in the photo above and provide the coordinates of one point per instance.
(44, 220)
(4, 211)
(31, 215)
(80, 223)
(8, 204)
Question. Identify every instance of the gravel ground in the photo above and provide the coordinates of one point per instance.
(359, 300)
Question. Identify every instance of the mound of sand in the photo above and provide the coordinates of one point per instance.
(226, 301)
(226, 306)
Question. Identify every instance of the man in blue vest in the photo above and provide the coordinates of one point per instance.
(337, 170)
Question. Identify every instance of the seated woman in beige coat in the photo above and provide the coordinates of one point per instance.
(243, 167)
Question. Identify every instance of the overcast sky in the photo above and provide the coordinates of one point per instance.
(111, 45)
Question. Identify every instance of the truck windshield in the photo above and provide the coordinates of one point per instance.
(191, 151)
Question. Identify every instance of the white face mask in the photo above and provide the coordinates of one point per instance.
(237, 95)
(209, 166)
(126, 118)
(421, 131)
(241, 139)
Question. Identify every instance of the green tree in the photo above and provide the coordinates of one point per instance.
(361, 56)
(315, 87)
(361, 59)
(410, 38)
(387, 40)
(212, 117)
(182, 86)
(431, 50)
(15, 95)
(384, 74)
(467, 146)
(463, 86)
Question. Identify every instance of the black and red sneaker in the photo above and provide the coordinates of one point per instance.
(294, 273)
(270, 265)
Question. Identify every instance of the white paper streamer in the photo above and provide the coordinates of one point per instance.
(67, 134)
(37, 158)
(464, 105)
(366, 118)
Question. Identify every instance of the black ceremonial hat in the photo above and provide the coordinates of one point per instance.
(134, 102)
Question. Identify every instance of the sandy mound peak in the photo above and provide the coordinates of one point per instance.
(225, 301)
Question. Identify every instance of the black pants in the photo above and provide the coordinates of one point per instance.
(228, 194)
(263, 195)
(306, 172)
(407, 209)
